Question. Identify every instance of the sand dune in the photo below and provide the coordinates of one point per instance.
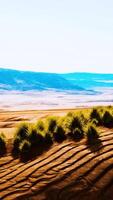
(68, 171)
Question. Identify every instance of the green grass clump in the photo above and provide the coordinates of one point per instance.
(32, 144)
(73, 126)
(20, 135)
(25, 148)
(51, 124)
(92, 134)
(59, 134)
(48, 139)
(95, 122)
(72, 122)
(16, 144)
(83, 118)
(96, 114)
(107, 119)
(22, 131)
(2, 144)
(78, 134)
(40, 126)
(70, 114)
(35, 137)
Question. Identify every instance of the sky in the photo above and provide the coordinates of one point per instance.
(57, 35)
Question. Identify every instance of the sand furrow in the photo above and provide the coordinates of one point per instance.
(65, 171)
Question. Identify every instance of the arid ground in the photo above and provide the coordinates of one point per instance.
(10, 119)
(68, 171)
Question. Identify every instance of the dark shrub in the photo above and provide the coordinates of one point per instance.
(51, 124)
(108, 119)
(59, 134)
(48, 140)
(16, 144)
(70, 114)
(94, 121)
(92, 134)
(40, 125)
(78, 134)
(77, 123)
(20, 135)
(35, 138)
(95, 114)
(22, 131)
(2, 144)
(83, 119)
(25, 148)
(70, 123)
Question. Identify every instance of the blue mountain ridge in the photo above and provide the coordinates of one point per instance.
(26, 80)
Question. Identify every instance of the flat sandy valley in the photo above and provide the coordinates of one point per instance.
(51, 99)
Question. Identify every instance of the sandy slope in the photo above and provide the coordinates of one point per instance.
(68, 171)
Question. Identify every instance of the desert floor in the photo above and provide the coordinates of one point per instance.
(68, 171)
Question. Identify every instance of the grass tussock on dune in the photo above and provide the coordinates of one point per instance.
(2, 144)
(62, 158)
(33, 139)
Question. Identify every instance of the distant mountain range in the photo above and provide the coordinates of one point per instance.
(90, 80)
(25, 80)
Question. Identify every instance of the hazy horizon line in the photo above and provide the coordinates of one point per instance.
(52, 72)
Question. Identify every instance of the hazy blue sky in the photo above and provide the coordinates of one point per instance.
(57, 35)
